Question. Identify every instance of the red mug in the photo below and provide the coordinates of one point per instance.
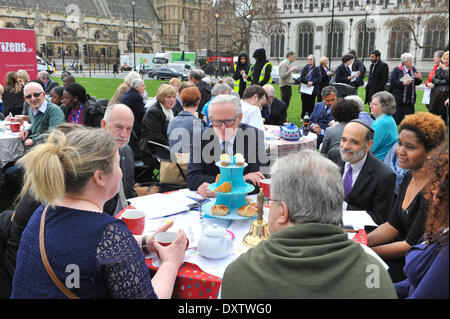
(265, 185)
(15, 127)
(166, 238)
(135, 221)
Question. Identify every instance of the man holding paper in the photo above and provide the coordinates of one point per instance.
(309, 85)
(321, 116)
(404, 80)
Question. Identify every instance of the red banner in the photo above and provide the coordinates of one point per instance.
(17, 51)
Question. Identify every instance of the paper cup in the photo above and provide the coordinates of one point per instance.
(135, 220)
(166, 238)
(265, 185)
(15, 127)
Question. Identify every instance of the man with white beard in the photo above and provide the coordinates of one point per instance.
(369, 184)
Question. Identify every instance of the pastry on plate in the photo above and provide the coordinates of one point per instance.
(247, 211)
(219, 210)
(224, 188)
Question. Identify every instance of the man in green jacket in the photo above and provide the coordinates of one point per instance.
(308, 255)
(44, 115)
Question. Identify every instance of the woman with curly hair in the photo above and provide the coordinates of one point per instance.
(420, 134)
(426, 267)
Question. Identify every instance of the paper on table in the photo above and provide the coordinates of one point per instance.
(426, 96)
(159, 205)
(306, 89)
(357, 218)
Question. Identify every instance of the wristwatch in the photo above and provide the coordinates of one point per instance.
(144, 244)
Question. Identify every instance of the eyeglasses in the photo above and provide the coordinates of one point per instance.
(228, 122)
(273, 200)
(34, 95)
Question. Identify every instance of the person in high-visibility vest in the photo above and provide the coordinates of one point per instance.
(261, 72)
(241, 69)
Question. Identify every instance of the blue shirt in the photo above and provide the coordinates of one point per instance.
(386, 135)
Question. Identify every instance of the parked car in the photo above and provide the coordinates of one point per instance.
(276, 75)
(43, 66)
(166, 73)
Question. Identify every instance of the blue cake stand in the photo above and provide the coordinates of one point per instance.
(234, 199)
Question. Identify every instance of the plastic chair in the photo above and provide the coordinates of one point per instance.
(344, 90)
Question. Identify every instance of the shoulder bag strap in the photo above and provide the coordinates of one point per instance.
(49, 269)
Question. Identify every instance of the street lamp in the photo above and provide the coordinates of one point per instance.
(350, 34)
(330, 50)
(217, 42)
(133, 4)
(364, 35)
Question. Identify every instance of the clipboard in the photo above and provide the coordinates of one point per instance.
(306, 89)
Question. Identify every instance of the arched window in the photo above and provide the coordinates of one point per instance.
(277, 40)
(305, 40)
(400, 39)
(365, 39)
(57, 33)
(335, 40)
(97, 35)
(435, 35)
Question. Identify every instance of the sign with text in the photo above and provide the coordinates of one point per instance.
(17, 52)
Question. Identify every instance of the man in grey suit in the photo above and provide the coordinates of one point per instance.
(49, 84)
(369, 184)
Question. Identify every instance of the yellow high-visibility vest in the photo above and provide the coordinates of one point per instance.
(263, 72)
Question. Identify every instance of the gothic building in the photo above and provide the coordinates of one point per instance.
(393, 27)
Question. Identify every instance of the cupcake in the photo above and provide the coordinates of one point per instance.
(239, 159)
(225, 159)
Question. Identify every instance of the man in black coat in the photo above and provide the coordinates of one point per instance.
(205, 89)
(369, 184)
(134, 100)
(275, 111)
(378, 76)
(225, 135)
(49, 84)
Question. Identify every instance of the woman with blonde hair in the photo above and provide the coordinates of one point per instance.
(13, 96)
(23, 77)
(93, 253)
(326, 75)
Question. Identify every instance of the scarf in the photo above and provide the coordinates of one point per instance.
(167, 113)
(409, 71)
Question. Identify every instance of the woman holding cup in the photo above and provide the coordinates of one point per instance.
(93, 253)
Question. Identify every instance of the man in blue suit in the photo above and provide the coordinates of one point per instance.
(321, 116)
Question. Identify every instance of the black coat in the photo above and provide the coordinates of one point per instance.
(378, 77)
(201, 170)
(374, 190)
(241, 67)
(277, 114)
(324, 80)
(398, 87)
(50, 86)
(260, 56)
(316, 77)
(134, 100)
(205, 93)
(341, 75)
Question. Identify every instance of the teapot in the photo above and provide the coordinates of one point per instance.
(215, 242)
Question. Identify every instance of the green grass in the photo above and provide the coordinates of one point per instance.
(105, 88)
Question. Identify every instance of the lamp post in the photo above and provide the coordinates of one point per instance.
(133, 4)
(331, 33)
(350, 34)
(217, 42)
(366, 8)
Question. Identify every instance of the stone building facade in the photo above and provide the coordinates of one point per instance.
(391, 26)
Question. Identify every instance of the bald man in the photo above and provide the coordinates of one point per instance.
(369, 184)
(49, 84)
(118, 121)
(44, 115)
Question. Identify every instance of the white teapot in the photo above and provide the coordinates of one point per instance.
(215, 242)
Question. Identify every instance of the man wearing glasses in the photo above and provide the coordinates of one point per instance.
(225, 135)
(44, 115)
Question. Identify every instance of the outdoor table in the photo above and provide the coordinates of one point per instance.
(279, 147)
(194, 283)
(11, 148)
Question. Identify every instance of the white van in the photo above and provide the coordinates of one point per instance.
(43, 66)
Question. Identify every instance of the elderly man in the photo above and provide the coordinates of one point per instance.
(286, 81)
(369, 184)
(44, 115)
(321, 116)
(226, 135)
(308, 254)
(49, 84)
(196, 77)
(67, 79)
(118, 120)
(134, 100)
(274, 111)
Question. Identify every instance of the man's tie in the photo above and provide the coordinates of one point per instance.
(348, 181)
(225, 147)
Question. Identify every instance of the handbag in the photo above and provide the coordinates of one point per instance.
(174, 172)
(69, 294)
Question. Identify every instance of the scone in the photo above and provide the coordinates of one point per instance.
(219, 210)
(247, 211)
(224, 188)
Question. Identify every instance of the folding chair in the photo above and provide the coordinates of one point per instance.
(344, 90)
